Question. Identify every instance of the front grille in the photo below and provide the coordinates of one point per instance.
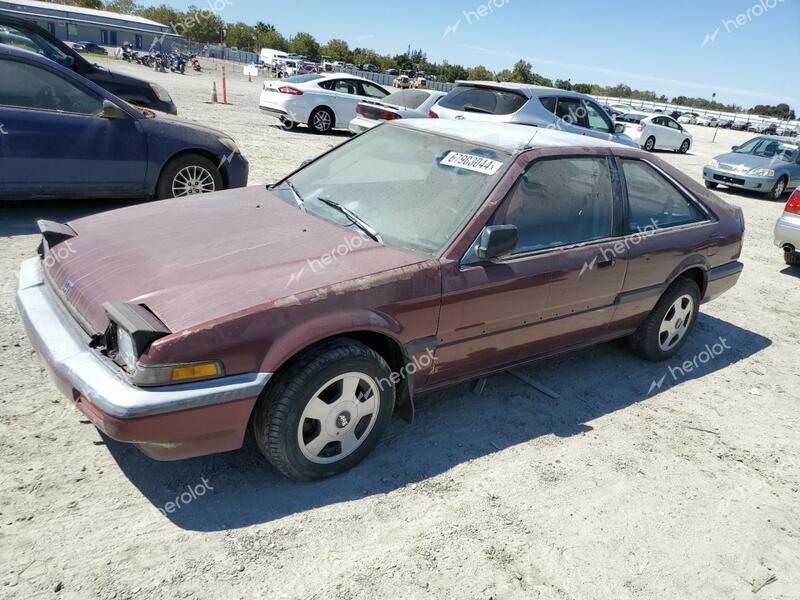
(725, 179)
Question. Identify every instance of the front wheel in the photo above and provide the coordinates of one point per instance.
(668, 326)
(188, 175)
(650, 144)
(684, 147)
(326, 411)
(777, 190)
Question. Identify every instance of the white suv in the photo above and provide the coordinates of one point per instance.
(530, 105)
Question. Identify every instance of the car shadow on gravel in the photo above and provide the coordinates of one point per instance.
(19, 218)
(453, 427)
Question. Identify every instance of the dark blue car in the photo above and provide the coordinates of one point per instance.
(62, 136)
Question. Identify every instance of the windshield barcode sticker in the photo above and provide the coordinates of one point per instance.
(471, 162)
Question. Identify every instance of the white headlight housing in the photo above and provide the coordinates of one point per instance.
(713, 163)
(126, 349)
(761, 172)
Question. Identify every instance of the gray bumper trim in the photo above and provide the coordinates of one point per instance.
(75, 366)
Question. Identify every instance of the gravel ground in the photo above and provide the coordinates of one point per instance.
(611, 492)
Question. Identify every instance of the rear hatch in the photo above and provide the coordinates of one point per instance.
(481, 102)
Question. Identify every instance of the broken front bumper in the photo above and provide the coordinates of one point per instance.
(166, 423)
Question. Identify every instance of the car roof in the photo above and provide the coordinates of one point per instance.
(531, 91)
(508, 137)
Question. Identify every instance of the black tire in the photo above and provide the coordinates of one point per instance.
(645, 341)
(650, 144)
(277, 416)
(685, 147)
(778, 189)
(711, 185)
(791, 258)
(175, 166)
(321, 120)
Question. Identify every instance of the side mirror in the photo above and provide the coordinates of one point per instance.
(734, 148)
(112, 111)
(619, 127)
(496, 241)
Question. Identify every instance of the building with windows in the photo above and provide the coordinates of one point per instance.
(75, 24)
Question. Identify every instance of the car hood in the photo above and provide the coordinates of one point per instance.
(744, 162)
(195, 260)
(161, 117)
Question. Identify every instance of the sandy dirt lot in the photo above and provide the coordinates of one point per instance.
(610, 492)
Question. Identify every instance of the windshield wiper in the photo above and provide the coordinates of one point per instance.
(297, 197)
(353, 218)
(477, 109)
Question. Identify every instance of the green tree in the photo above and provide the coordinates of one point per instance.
(563, 84)
(780, 111)
(162, 14)
(339, 50)
(240, 35)
(125, 7)
(480, 73)
(304, 44)
(201, 25)
(271, 38)
(96, 4)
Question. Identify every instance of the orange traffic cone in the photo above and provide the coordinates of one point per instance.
(214, 99)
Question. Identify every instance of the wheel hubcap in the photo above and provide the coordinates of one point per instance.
(676, 323)
(338, 418)
(322, 120)
(649, 145)
(779, 188)
(192, 180)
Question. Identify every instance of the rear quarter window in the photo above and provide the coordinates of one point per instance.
(484, 100)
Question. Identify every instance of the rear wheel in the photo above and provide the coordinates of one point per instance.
(711, 185)
(668, 326)
(778, 189)
(321, 120)
(326, 411)
(684, 147)
(650, 144)
(187, 175)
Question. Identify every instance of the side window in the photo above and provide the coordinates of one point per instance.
(671, 124)
(658, 121)
(31, 40)
(345, 86)
(572, 111)
(561, 201)
(327, 84)
(596, 117)
(373, 91)
(29, 86)
(653, 201)
(549, 103)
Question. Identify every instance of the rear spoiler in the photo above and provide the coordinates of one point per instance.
(53, 234)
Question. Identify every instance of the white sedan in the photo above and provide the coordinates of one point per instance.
(323, 102)
(403, 104)
(659, 132)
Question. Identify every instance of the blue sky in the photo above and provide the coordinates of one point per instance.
(660, 46)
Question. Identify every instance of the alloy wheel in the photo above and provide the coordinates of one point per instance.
(192, 180)
(338, 418)
(322, 120)
(676, 323)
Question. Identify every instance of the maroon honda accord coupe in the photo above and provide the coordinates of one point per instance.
(412, 257)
